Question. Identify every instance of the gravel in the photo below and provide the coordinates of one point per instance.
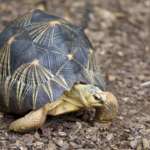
(120, 33)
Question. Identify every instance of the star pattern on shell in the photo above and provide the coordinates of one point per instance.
(54, 56)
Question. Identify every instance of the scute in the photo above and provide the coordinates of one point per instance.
(6, 34)
(40, 16)
(47, 56)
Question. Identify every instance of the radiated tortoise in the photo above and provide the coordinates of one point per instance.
(47, 67)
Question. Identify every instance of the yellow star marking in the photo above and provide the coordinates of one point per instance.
(70, 56)
(33, 76)
(53, 23)
(11, 40)
(91, 51)
(35, 62)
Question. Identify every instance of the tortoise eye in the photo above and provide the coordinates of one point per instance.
(100, 98)
(97, 97)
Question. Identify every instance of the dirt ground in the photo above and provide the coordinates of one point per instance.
(120, 32)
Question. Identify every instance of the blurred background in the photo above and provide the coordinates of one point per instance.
(119, 30)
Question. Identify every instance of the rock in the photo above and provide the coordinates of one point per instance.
(74, 145)
(146, 144)
(37, 135)
(109, 137)
(51, 146)
(59, 142)
(139, 147)
(1, 115)
(38, 144)
(62, 134)
(65, 146)
(105, 14)
(134, 143)
(120, 53)
(28, 139)
(111, 77)
(147, 131)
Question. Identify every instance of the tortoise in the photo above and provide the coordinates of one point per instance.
(47, 67)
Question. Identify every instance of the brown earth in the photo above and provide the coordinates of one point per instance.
(120, 32)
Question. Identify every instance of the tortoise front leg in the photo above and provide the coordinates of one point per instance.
(32, 120)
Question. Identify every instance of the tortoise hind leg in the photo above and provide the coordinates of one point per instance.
(32, 120)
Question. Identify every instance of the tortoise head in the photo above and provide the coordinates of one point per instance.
(105, 103)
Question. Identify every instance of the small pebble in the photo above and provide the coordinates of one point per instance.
(146, 144)
(133, 143)
(51, 146)
(109, 137)
(63, 134)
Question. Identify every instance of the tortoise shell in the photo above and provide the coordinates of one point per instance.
(41, 56)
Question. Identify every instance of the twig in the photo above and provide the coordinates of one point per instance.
(145, 84)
